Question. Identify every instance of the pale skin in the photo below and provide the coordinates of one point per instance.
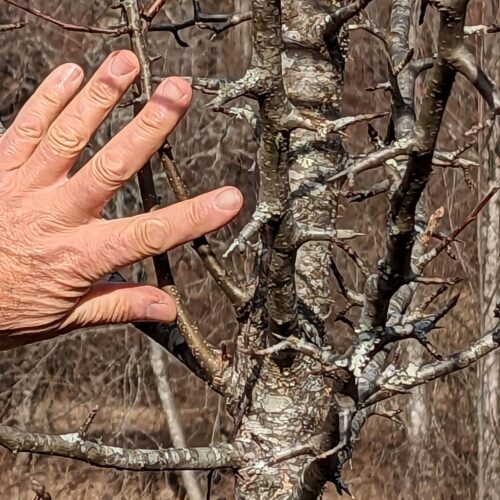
(54, 246)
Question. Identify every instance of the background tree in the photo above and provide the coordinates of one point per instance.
(319, 318)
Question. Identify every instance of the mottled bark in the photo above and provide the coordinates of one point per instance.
(94, 453)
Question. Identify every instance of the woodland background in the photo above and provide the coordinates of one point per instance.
(51, 387)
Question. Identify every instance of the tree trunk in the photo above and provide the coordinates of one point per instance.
(289, 404)
(488, 392)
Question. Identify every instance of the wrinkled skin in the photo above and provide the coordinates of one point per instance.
(54, 247)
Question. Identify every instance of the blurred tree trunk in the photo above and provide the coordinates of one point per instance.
(418, 424)
(418, 427)
(489, 250)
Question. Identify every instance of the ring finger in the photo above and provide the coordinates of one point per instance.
(72, 130)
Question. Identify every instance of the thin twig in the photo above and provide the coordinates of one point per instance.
(68, 26)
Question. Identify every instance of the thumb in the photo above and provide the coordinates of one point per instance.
(114, 303)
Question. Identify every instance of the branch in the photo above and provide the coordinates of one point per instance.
(72, 446)
(170, 338)
(250, 85)
(264, 79)
(481, 29)
(371, 343)
(341, 16)
(221, 276)
(200, 20)
(465, 63)
(175, 428)
(432, 254)
(232, 21)
(375, 159)
(12, 26)
(325, 356)
(150, 10)
(209, 358)
(395, 268)
(67, 26)
(206, 355)
(364, 194)
(395, 381)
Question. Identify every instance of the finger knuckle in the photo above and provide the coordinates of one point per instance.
(31, 127)
(111, 170)
(52, 98)
(196, 213)
(151, 122)
(68, 140)
(150, 236)
(101, 93)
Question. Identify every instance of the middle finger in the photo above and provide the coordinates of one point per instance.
(72, 130)
(92, 186)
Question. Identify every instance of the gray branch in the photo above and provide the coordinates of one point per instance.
(72, 446)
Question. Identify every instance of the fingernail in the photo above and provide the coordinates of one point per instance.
(172, 91)
(228, 200)
(71, 72)
(122, 65)
(160, 312)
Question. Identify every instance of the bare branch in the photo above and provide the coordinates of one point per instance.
(343, 15)
(68, 26)
(432, 254)
(206, 356)
(363, 194)
(232, 21)
(221, 276)
(465, 63)
(481, 29)
(376, 158)
(72, 446)
(250, 85)
(325, 356)
(210, 359)
(395, 269)
(265, 80)
(199, 19)
(175, 427)
(150, 10)
(12, 26)
(395, 381)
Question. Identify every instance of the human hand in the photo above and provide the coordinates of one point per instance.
(54, 246)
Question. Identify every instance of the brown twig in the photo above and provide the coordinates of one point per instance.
(151, 9)
(41, 492)
(232, 21)
(432, 254)
(68, 26)
(221, 276)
